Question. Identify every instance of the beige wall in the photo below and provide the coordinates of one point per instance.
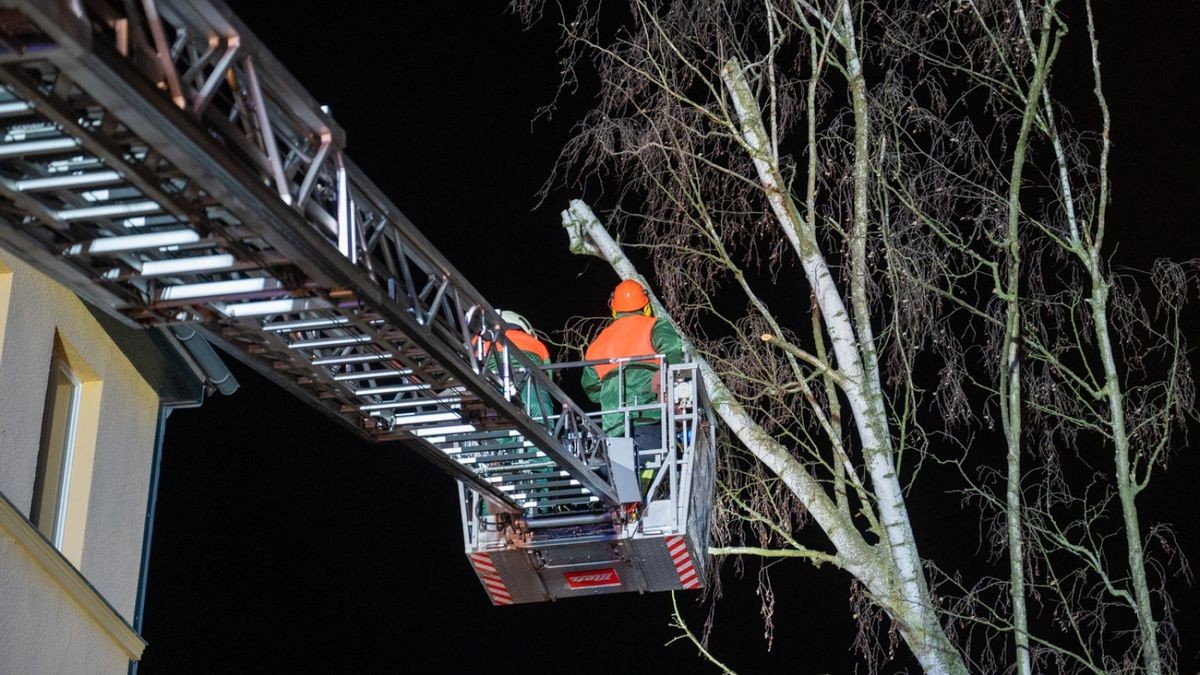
(42, 630)
(105, 521)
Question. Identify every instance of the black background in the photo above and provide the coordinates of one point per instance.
(283, 544)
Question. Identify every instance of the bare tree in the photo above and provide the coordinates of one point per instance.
(877, 228)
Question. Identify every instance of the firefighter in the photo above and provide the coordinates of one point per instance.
(633, 331)
(519, 332)
(534, 400)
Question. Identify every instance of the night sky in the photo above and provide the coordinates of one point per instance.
(284, 544)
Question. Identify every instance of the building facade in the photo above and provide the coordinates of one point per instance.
(83, 403)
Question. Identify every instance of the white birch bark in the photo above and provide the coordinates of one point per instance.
(1010, 366)
(1126, 485)
(862, 392)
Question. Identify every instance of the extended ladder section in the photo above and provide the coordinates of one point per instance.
(155, 159)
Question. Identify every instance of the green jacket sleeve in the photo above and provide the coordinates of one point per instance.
(666, 341)
(591, 383)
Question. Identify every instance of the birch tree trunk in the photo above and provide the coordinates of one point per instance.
(1010, 374)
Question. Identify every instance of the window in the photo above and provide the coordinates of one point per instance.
(60, 422)
(62, 487)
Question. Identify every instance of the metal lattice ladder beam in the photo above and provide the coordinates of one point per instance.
(158, 161)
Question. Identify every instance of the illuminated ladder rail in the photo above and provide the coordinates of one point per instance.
(163, 165)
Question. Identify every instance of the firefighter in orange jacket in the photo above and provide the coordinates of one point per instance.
(519, 332)
(534, 400)
(634, 331)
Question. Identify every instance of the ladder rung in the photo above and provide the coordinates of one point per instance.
(478, 449)
(425, 418)
(221, 289)
(442, 431)
(75, 163)
(272, 307)
(38, 147)
(340, 341)
(487, 435)
(12, 108)
(352, 358)
(537, 485)
(135, 222)
(204, 263)
(500, 451)
(412, 403)
(553, 501)
(68, 181)
(543, 478)
(398, 389)
(110, 210)
(546, 468)
(378, 373)
(568, 492)
(134, 242)
(494, 459)
(493, 464)
(306, 324)
(509, 452)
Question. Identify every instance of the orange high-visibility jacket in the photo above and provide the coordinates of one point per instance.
(523, 341)
(626, 336)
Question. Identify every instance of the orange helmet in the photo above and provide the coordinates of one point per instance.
(629, 296)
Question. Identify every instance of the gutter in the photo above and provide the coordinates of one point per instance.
(151, 505)
(216, 373)
(160, 433)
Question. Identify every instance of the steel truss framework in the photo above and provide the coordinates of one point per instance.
(158, 161)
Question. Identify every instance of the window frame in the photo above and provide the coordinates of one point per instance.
(55, 531)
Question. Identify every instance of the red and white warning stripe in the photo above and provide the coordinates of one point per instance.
(677, 547)
(490, 578)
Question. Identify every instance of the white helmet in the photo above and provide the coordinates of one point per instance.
(510, 317)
